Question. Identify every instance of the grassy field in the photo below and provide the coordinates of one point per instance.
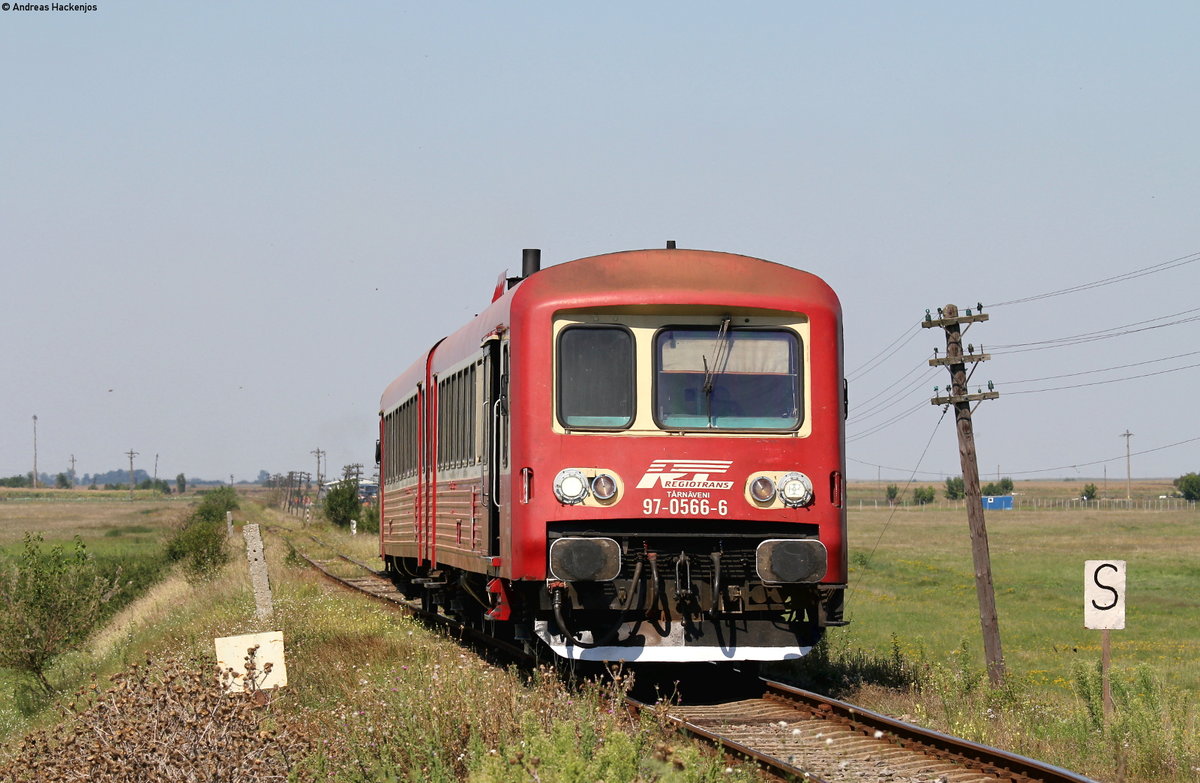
(373, 694)
(356, 669)
(912, 577)
(863, 494)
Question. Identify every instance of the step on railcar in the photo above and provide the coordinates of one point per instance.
(636, 456)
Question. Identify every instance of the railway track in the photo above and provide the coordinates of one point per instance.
(790, 733)
(796, 733)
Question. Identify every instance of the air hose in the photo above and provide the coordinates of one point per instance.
(612, 634)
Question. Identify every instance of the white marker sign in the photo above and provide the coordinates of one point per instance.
(1104, 594)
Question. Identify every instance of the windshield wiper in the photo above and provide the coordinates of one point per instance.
(720, 357)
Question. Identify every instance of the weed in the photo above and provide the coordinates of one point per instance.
(164, 722)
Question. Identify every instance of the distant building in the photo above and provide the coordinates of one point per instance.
(997, 502)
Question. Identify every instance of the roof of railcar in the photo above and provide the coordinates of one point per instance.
(677, 276)
(645, 277)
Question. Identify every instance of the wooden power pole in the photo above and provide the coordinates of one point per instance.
(132, 483)
(1128, 473)
(956, 359)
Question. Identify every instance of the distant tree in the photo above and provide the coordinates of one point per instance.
(955, 488)
(263, 477)
(181, 483)
(49, 602)
(923, 495)
(1089, 492)
(342, 503)
(1189, 486)
(62, 482)
(1002, 487)
(893, 492)
(15, 481)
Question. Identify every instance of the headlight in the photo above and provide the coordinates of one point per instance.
(762, 489)
(604, 487)
(570, 486)
(795, 489)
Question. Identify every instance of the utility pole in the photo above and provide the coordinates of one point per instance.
(35, 451)
(132, 483)
(958, 395)
(1128, 475)
(72, 470)
(320, 478)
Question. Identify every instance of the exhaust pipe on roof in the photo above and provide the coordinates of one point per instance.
(531, 261)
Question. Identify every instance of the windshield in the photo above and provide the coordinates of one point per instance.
(721, 378)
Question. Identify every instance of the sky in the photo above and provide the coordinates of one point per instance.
(224, 228)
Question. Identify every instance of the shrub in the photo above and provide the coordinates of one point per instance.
(200, 538)
(369, 521)
(954, 488)
(342, 503)
(201, 543)
(923, 495)
(1189, 486)
(215, 504)
(49, 602)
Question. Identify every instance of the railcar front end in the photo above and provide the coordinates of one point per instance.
(657, 467)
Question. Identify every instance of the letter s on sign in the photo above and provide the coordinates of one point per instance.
(1104, 594)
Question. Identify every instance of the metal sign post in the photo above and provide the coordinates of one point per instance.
(1104, 610)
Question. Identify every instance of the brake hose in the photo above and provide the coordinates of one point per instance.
(608, 637)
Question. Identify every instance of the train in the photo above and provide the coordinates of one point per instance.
(635, 456)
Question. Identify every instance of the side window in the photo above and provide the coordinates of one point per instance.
(595, 377)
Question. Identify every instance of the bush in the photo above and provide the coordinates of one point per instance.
(955, 488)
(200, 538)
(923, 495)
(369, 522)
(49, 602)
(342, 504)
(1189, 486)
(201, 543)
(214, 505)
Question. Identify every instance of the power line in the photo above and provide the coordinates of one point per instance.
(893, 384)
(1106, 369)
(866, 366)
(896, 469)
(860, 435)
(1110, 380)
(1101, 334)
(1078, 465)
(1147, 270)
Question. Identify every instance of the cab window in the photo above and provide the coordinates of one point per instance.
(595, 377)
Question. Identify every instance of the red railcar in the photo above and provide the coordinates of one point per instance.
(636, 456)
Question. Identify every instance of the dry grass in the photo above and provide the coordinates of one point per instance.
(173, 721)
(151, 608)
(61, 520)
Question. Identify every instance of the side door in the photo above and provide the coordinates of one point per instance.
(494, 410)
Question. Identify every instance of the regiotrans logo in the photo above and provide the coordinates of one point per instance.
(685, 474)
(80, 8)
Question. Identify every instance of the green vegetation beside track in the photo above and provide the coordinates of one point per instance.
(375, 696)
